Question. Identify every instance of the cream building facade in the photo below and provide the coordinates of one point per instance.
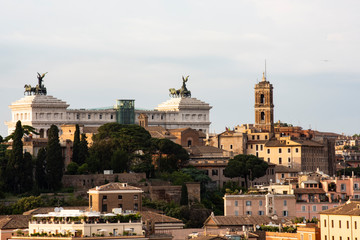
(341, 223)
(42, 111)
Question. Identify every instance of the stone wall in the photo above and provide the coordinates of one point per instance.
(85, 182)
(173, 193)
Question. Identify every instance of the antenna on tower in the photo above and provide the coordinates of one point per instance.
(265, 69)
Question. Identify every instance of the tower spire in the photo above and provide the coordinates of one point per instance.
(264, 77)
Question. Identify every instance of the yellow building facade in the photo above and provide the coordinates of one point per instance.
(341, 223)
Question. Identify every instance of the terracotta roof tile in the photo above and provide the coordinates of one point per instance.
(115, 186)
(349, 208)
(309, 190)
(158, 218)
(14, 221)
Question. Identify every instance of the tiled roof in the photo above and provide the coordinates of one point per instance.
(14, 221)
(284, 169)
(157, 217)
(200, 150)
(114, 186)
(309, 190)
(277, 143)
(349, 208)
(240, 220)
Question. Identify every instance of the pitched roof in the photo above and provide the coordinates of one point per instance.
(114, 186)
(14, 221)
(284, 169)
(158, 218)
(349, 208)
(309, 190)
(240, 220)
(201, 150)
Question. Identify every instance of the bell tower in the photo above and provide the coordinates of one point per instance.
(264, 106)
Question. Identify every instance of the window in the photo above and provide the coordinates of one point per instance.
(136, 206)
(248, 213)
(324, 208)
(251, 146)
(296, 150)
(111, 116)
(261, 213)
(268, 151)
(104, 208)
(89, 116)
(248, 203)
(332, 223)
(258, 137)
(324, 222)
(325, 237)
(268, 159)
(236, 213)
(262, 116)
(314, 208)
(260, 202)
(262, 98)
(104, 197)
(279, 150)
(280, 161)
(77, 116)
(347, 224)
(257, 147)
(253, 137)
(214, 172)
(310, 237)
(289, 150)
(289, 159)
(303, 208)
(100, 116)
(120, 205)
(285, 213)
(231, 147)
(190, 143)
(261, 147)
(343, 187)
(285, 203)
(265, 137)
(135, 197)
(282, 175)
(236, 203)
(119, 197)
(339, 223)
(355, 224)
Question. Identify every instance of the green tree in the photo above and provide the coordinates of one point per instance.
(120, 161)
(26, 129)
(54, 159)
(27, 180)
(246, 166)
(83, 169)
(134, 140)
(76, 145)
(14, 168)
(83, 149)
(40, 169)
(171, 156)
(72, 168)
(184, 200)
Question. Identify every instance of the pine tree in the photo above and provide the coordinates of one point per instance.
(40, 175)
(14, 167)
(184, 200)
(83, 150)
(76, 143)
(54, 159)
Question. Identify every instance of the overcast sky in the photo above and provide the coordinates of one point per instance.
(100, 51)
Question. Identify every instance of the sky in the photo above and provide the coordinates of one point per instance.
(98, 51)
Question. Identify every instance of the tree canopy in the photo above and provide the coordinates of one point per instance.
(246, 166)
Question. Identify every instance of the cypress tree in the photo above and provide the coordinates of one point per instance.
(27, 180)
(83, 150)
(76, 143)
(184, 200)
(54, 159)
(15, 164)
(40, 175)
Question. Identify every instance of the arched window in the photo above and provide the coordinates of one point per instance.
(262, 98)
(189, 143)
(47, 132)
(41, 133)
(262, 116)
